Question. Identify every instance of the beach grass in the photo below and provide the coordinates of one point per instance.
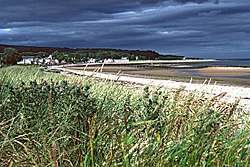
(48, 119)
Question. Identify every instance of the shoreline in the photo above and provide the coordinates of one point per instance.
(236, 76)
(141, 62)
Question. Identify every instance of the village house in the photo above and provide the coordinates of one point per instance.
(122, 60)
(91, 60)
(108, 61)
(27, 60)
(38, 61)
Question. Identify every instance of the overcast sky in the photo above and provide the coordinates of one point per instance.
(194, 28)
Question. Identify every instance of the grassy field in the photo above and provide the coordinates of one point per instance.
(49, 119)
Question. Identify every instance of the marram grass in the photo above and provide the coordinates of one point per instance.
(53, 120)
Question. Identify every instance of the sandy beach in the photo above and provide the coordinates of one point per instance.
(225, 71)
(237, 76)
(232, 92)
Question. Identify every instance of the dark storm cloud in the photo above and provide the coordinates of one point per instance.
(197, 1)
(187, 27)
(58, 10)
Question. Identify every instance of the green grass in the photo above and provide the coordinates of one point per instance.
(47, 119)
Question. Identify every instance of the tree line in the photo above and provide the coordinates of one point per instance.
(11, 56)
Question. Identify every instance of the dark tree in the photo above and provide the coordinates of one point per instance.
(10, 56)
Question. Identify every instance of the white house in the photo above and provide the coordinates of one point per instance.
(108, 61)
(27, 60)
(91, 60)
(34, 60)
(122, 60)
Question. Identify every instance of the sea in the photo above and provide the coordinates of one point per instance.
(222, 63)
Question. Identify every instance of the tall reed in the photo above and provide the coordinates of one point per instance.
(53, 120)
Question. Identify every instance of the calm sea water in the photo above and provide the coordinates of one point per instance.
(223, 63)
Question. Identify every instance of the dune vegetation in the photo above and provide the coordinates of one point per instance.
(49, 119)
